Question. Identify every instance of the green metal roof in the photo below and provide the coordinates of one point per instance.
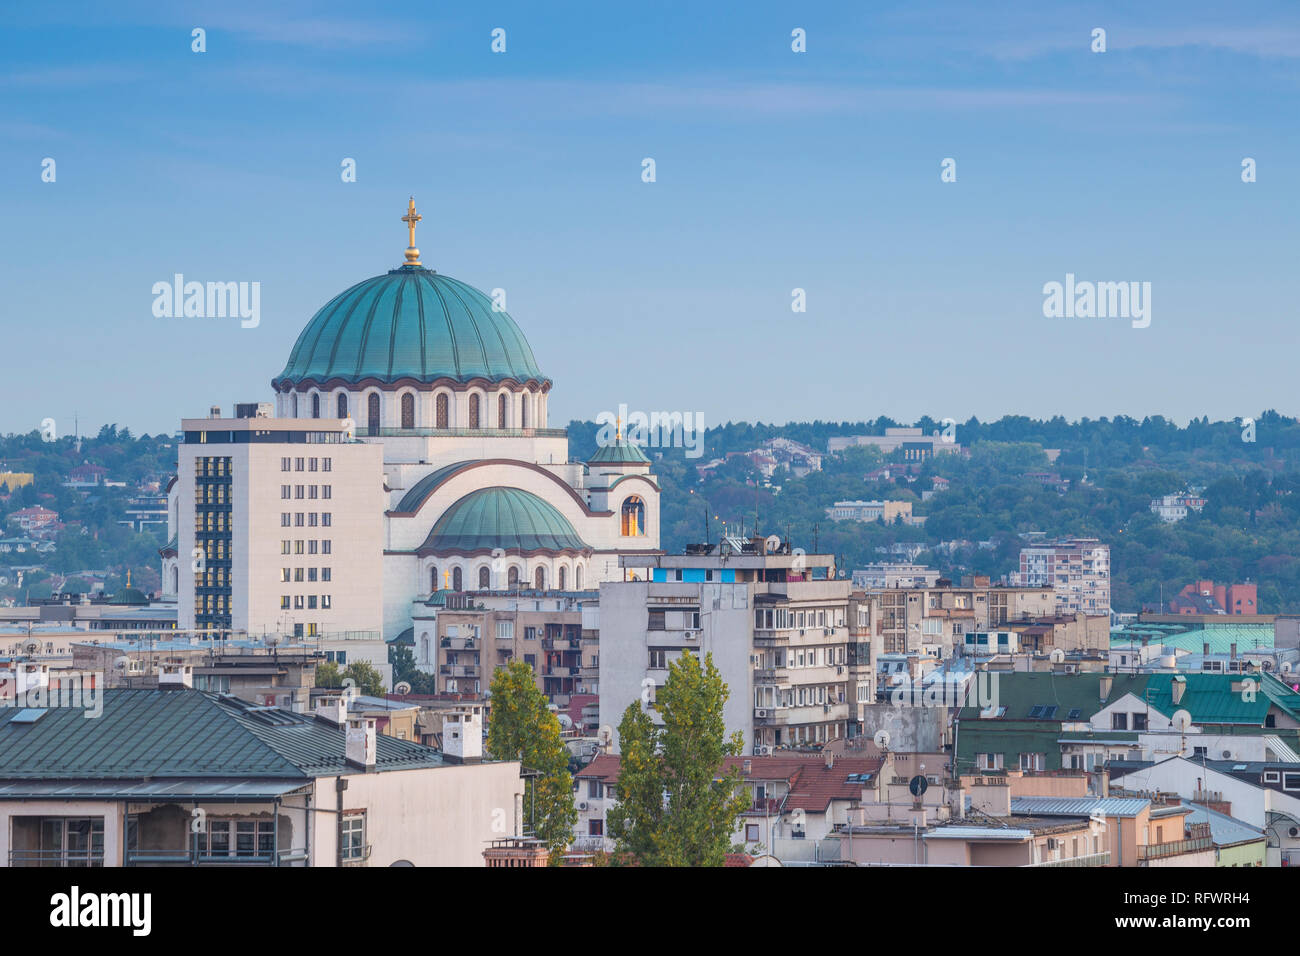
(620, 453)
(410, 323)
(418, 492)
(1020, 693)
(1220, 637)
(498, 517)
(181, 734)
(1209, 698)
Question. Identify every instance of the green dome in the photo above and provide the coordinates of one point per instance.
(507, 518)
(619, 453)
(410, 324)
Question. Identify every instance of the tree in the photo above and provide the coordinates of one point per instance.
(523, 728)
(327, 675)
(677, 807)
(367, 679)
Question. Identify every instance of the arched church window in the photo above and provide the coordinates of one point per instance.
(424, 649)
(539, 579)
(633, 519)
(373, 413)
(577, 577)
(408, 410)
(473, 411)
(523, 411)
(342, 405)
(484, 578)
(293, 399)
(456, 579)
(442, 410)
(315, 406)
(512, 577)
(501, 411)
(433, 578)
(563, 577)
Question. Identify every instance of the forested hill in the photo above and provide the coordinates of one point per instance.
(1247, 531)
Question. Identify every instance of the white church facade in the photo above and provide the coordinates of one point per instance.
(426, 404)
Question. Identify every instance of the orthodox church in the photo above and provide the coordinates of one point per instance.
(479, 492)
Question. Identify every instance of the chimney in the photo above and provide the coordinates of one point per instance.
(1232, 651)
(830, 760)
(1177, 688)
(174, 676)
(1103, 687)
(462, 734)
(214, 411)
(360, 742)
(333, 707)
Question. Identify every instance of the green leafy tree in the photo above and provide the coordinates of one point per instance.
(523, 728)
(367, 679)
(677, 806)
(327, 675)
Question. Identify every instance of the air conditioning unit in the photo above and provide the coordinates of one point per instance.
(583, 805)
(758, 751)
(1227, 754)
(760, 712)
(691, 635)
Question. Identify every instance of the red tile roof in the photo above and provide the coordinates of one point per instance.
(812, 784)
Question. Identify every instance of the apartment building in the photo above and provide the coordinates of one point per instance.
(463, 637)
(776, 623)
(1076, 569)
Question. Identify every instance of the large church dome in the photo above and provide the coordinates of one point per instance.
(414, 325)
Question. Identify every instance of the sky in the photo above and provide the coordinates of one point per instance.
(775, 170)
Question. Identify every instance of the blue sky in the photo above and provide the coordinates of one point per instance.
(775, 170)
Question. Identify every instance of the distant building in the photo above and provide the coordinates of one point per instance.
(35, 519)
(1206, 597)
(894, 575)
(886, 511)
(915, 445)
(1171, 508)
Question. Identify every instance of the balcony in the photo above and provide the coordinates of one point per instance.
(1091, 859)
(459, 643)
(771, 638)
(1160, 851)
(561, 643)
(771, 675)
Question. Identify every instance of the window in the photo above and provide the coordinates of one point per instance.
(595, 827)
(442, 413)
(656, 622)
(751, 833)
(352, 836)
(297, 465)
(327, 464)
(297, 602)
(1199, 752)
(311, 574)
(594, 790)
(633, 518)
(473, 411)
(285, 491)
(284, 464)
(539, 579)
(341, 408)
(311, 602)
(501, 411)
(456, 579)
(325, 602)
(484, 578)
(1139, 721)
(434, 583)
(512, 577)
(315, 406)
(284, 547)
(408, 410)
(284, 519)
(297, 520)
(312, 489)
(327, 491)
(563, 578)
(658, 660)
(324, 574)
(372, 416)
(284, 574)
(284, 601)
(1119, 721)
(298, 489)
(523, 411)
(297, 574)
(311, 546)
(326, 519)
(505, 630)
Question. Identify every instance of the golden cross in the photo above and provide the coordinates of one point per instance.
(618, 429)
(411, 218)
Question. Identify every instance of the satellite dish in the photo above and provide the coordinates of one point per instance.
(918, 785)
(1058, 656)
(31, 645)
(843, 573)
(773, 542)
(1286, 667)
(402, 687)
(271, 640)
(1181, 720)
(882, 739)
(605, 734)
(122, 663)
(566, 721)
